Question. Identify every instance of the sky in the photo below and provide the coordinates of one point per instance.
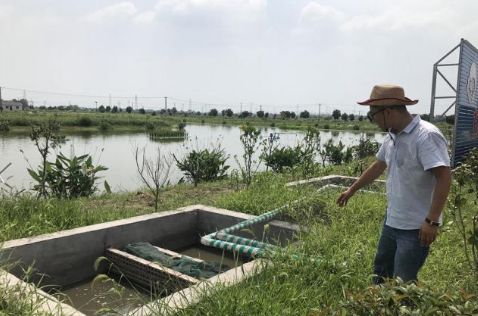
(272, 55)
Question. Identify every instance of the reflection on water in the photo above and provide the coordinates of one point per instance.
(117, 151)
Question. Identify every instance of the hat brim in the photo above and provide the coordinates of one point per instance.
(388, 102)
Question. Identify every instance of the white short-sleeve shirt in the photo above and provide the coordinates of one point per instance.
(409, 157)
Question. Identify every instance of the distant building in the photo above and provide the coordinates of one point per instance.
(12, 106)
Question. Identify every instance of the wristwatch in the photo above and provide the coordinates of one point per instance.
(432, 223)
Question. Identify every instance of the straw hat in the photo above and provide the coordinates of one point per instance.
(387, 95)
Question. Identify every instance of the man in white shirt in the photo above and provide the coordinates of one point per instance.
(418, 181)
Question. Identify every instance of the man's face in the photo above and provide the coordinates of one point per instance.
(377, 115)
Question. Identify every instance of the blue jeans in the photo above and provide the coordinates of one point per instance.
(399, 254)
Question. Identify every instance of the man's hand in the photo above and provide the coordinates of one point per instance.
(344, 197)
(427, 234)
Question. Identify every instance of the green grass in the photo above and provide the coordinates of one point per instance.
(338, 244)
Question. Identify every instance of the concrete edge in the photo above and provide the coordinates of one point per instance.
(83, 229)
(193, 294)
(45, 302)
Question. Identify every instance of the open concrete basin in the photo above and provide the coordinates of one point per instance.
(65, 260)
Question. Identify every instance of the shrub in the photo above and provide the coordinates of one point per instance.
(204, 165)
(67, 178)
(280, 158)
(4, 125)
(85, 121)
(105, 126)
(356, 127)
(326, 126)
(365, 148)
(336, 154)
(464, 202)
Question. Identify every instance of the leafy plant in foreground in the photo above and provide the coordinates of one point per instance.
(67, 178)
(397, 298)
(463, 193)
(249, 138)
(46, 136)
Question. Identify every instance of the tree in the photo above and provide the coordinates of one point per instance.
(129, 109)
(142, 111)
(336, 114)
(249, 138)
(245, 114)
(213, 112)
(24, 102)
(153, 172)
(260, 114)
(304, 114)
(229, 112)
(344, 116)
(286, 114)
(46, 137)
(351, 117)
(102, 109)
(108, 108)
(114, 109)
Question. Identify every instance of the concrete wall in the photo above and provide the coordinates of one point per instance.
(68, 257)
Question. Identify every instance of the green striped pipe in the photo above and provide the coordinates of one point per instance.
(248, 251)
(258, 219)
(243, 241)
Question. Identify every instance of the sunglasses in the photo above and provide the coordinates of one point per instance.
(371, 115)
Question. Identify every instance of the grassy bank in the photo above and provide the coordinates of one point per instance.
(19, 122)
(341, 242)
(117, 123)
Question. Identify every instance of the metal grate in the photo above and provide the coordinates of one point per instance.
(150, 276)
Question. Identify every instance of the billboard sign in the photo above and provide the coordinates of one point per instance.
(466, 109)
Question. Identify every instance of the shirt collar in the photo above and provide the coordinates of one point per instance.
(409, 128)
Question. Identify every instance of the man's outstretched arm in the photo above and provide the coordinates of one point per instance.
(369, 175)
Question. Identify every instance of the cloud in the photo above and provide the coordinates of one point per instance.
(396, 18)
(314, 13)
(189, 6)
(119, 10)
(145, 17)
(6, 11)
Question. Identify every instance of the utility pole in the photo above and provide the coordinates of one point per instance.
(241, 109)
(320, 105)
(136, 101)
(109, 99)
(96, 106)
(190, 105)
(165, 103)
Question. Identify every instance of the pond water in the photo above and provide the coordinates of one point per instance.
(117, 151)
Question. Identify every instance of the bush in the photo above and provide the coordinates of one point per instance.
(326, 126)
(336, 154)
(204, 165)
(365, 148)
(280, 158)
(85, 121)
(67, 178)
(356, 127)
(4, 125)
(105, 126)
